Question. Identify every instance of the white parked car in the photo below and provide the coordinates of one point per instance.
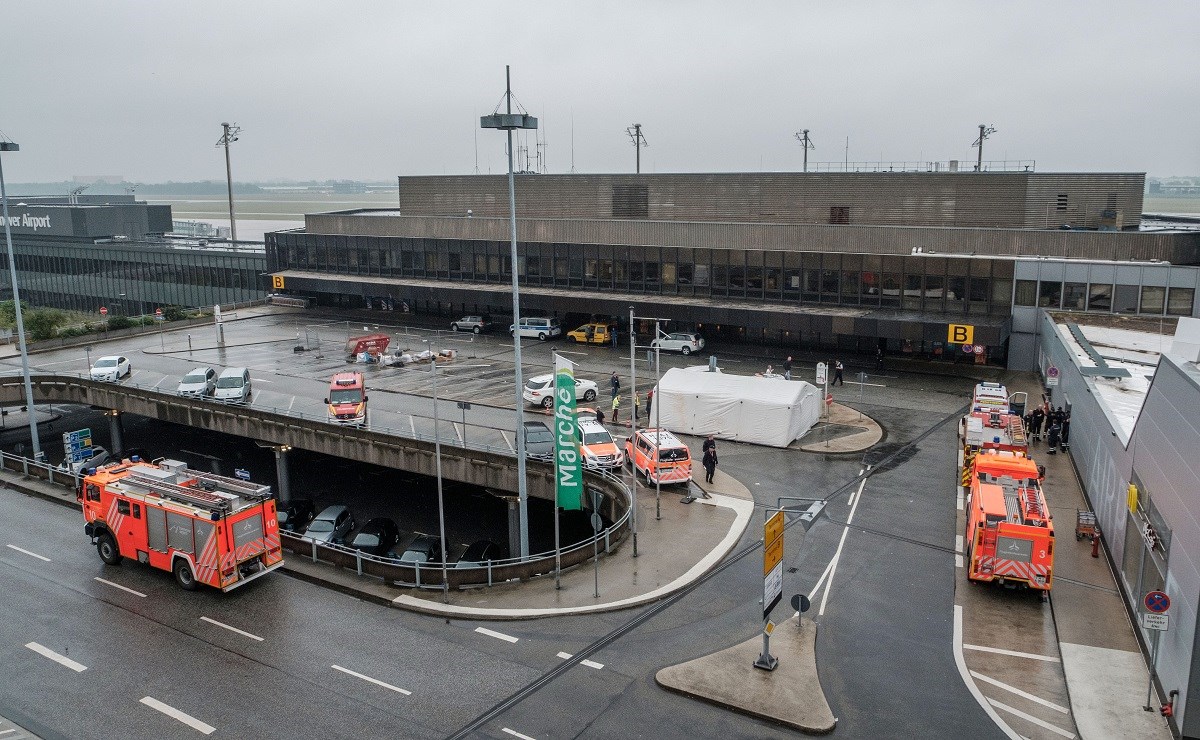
(685, 342)
(539, 390)
(233, 385)
(200, 382)
(111, 367)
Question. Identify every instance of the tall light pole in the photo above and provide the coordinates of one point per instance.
(437, 453)
(802, 137)
(984, 132)
(508, 121)
(8, 146)
(639, 141)
(230, 134)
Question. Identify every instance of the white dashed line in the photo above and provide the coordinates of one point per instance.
(60, 659)
(375, 681)
(1030, 718)
(958, 498)
(174, 713)
(1018, 692)
(514, 733)
(1014, 653)
(508, 442)
(30, 554)
(231, 629)
(588, 663)
(497, 635)
(123, 588)
(958, 560)
(958, 543)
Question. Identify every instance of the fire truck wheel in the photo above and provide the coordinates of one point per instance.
(184, 576)
(107, 547)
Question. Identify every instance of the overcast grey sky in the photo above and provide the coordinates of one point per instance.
(369, 90)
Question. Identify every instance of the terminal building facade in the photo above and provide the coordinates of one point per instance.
(909, 262)
(83, 252)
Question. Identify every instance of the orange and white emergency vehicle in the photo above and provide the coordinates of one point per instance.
(202, 527)
(1010, 533)
(347, 399)
(672, 464)
(993, 430)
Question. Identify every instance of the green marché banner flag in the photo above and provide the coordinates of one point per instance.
(568, 472)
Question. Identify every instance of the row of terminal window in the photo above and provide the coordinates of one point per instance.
(1105, 297)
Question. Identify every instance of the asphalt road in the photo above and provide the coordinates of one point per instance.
(885, 605)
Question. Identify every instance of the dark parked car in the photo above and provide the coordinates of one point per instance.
(481, 551)
(539, 442)
(294, 515)
(377, 536)
(425, 548)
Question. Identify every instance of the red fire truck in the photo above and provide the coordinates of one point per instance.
(202, 527)
(993, 430)
(1010, 533)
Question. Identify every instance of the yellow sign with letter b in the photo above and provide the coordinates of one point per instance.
(960, 334)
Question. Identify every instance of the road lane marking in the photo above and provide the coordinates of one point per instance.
(123, 588)
(457, 432)
(958, 498)
(508, 442)
(588, 663)
(263, 380)
(60, 659)
(1014, 653)
(837, 556)
(174, 713)
(514, 733)
(412, 424)
(958, 543)
(961, 662)
(1030, 718)
(231, 629)
(290, 403)
(159, 382)
(30, 554)
(1018, 692)
(569, 352)
(497, 635)
(375, 681)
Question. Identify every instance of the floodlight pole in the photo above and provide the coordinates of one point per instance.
(8, 146)
(507, 122)
(633, 424)
(657, 424)
(437, 452)
(230, 132)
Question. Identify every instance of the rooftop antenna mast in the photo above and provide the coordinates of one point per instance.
(984, 132)
(802, 137)
(75, 192)
(639, 141)
(476, 151)
(572, 142)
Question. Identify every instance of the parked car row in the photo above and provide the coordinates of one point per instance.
(379, 536)
(231, 386)
(596, 332)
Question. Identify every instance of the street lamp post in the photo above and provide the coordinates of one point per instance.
(8, 146)
(437, 453)
(229, 134)
(506, 122)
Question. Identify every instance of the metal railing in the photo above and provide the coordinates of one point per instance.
(961, 165)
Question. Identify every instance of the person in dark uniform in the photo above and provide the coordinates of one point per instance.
(1039, 417)
(837, 373)
(1053, 435)
(787, 368)
(710, 458)
(1066, 431)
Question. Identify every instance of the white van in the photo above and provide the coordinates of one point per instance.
(233, 386)
(536, 327)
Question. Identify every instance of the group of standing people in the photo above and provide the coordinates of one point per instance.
(614, 383)
(1057, 425)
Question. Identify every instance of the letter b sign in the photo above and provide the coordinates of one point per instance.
(960, 334)
(277, 282)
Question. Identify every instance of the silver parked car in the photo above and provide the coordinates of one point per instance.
(685, 342)
(200, 382)
(331, 525)
(233, 386)
(476, 324)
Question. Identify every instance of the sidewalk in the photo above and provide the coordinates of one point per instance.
(1105, 671)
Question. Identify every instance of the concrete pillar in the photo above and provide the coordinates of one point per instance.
(116, 433)
(514, 527)
(283, 488)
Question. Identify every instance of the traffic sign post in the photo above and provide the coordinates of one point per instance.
(772, 584)
(465, 406)
(1155, 618)
(1051, 376)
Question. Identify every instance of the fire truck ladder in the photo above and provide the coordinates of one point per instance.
(217, 501)
(1016, 430)
(244, 489)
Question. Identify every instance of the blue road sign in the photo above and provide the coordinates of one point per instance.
(243, 474)
(1157, 602)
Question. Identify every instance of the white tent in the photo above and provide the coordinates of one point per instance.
(766, 411)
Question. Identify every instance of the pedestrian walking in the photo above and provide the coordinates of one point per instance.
(614, 340)
(879, 358)
(616, 408)
(710, 458)
(637, 407)
(787, 368)
(615, 383)
(600, 416)
(1053, 436)
(649, 402)
(838, 367)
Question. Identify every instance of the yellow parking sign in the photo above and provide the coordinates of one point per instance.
(960, 334)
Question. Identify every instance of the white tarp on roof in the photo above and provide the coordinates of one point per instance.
(766, 411)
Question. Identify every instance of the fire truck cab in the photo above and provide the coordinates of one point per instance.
(203, 528)
(1010, 533)
(994, 430)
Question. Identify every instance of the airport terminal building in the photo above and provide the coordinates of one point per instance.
(83, 252)
(851, 261)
